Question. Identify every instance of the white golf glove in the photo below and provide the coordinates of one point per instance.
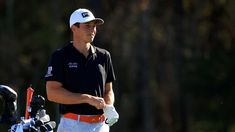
(111, 115)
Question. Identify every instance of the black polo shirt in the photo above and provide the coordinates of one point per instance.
(81, 75)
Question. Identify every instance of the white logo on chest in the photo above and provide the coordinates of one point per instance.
(73, 65)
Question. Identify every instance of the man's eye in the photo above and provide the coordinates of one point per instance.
(90, 26)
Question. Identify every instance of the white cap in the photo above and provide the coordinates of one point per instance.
(83, 16)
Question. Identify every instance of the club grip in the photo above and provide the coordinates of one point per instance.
(28, 100)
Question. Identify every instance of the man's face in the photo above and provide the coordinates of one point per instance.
(87, 31)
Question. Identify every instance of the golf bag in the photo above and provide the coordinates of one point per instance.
(37, 120)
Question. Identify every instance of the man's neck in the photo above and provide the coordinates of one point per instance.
(82, 47)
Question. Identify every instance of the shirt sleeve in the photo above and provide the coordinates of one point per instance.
(55, 67)
(109, 70)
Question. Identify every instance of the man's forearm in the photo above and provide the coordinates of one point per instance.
(109, 94)
(58, 94)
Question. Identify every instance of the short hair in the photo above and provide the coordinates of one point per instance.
(77, 24)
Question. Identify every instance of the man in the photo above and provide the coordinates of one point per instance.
(80, 77)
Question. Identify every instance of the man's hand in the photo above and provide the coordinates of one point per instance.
(111, 114)
(97, 102)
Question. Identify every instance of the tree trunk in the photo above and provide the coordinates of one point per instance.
(143, 76)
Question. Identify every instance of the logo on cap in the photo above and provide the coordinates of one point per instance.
(85, 14)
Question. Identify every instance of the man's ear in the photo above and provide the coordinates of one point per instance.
(73, 28)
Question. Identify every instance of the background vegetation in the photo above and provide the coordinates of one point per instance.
(174, 59)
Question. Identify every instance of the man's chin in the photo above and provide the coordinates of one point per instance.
(91, 40)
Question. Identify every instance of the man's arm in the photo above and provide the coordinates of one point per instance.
(109, 110)
(109, 94)
(58, 94)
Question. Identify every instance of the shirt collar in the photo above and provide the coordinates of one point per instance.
(92, 48)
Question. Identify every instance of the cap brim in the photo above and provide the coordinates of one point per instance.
(98, 21)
